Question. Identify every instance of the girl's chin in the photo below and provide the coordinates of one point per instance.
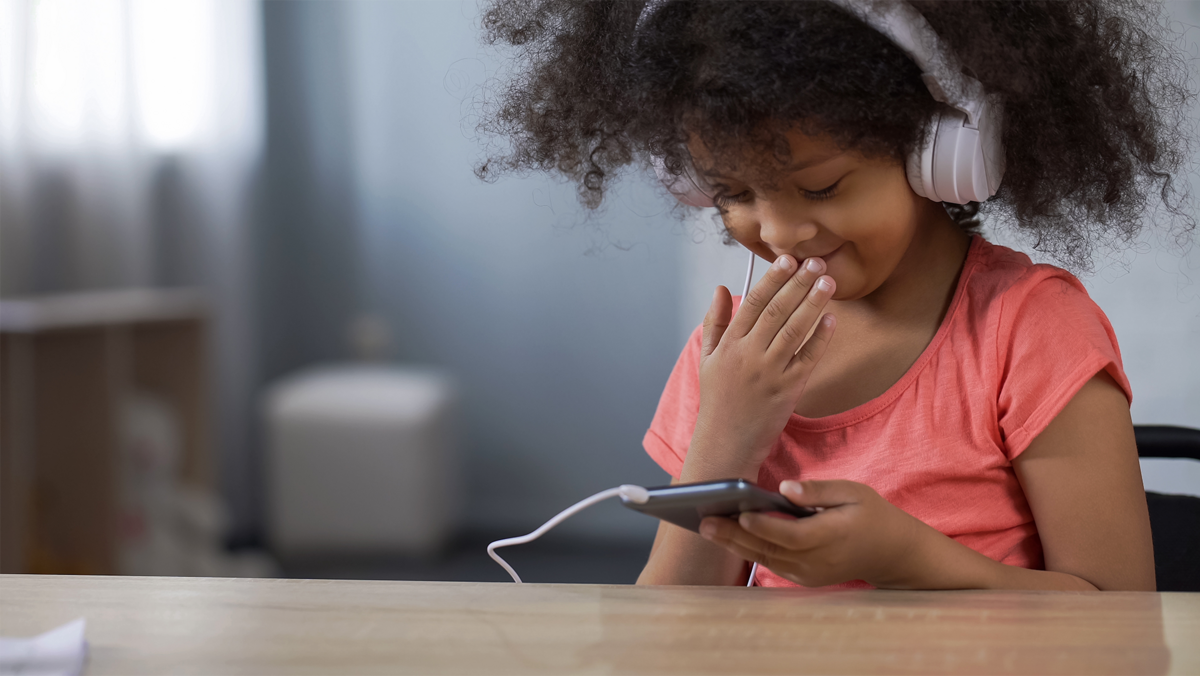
(853, 290)
(849, 286)
(844, 279)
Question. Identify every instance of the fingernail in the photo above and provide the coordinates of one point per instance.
(790, 486)
(828, 320)
(784, 262)
(744, 520)
(708, 530)
(824, 284)
(814, 264)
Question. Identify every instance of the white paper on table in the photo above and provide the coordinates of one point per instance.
(58, 652)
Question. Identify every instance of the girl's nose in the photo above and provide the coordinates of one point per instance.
(782, 230)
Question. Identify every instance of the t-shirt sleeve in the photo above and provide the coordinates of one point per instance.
(1053, 339)
(670, 431)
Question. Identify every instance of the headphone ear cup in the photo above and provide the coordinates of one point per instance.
(953, 164)
(919, 165)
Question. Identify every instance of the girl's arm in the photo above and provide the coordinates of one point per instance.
(1084, 485)
(1081, 478)
(753, 367)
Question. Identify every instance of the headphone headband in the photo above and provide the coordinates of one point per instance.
(908, 30)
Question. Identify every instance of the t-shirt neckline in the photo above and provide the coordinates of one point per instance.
(874, 406)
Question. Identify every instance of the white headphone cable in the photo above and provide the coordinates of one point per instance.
(633, 493)
(749, 274)
(628, 491)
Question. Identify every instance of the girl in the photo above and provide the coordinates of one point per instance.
(959, 415)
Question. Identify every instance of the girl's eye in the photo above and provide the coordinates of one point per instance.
(824, 194)
(724, 200)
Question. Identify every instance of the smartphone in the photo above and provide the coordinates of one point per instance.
(685, 505)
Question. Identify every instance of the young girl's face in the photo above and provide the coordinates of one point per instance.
(857, 213)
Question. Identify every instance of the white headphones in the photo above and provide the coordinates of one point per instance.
(962, 157)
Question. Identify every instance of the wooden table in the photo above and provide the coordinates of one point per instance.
(225, 626)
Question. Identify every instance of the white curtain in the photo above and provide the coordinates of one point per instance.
(96, 98)
(130, 136)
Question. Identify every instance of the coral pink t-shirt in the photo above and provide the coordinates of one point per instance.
(1018, 341)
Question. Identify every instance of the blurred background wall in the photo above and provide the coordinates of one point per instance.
(325, 182)
(559, 332)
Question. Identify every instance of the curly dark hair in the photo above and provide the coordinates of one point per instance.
(1095, 97)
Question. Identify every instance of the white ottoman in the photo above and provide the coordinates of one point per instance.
(361, 459)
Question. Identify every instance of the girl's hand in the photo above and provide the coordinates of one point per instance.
(753, 369)
(857, 536)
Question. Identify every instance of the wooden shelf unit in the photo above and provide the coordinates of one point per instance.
(66, 363)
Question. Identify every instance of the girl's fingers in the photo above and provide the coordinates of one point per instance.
(751, 555)
(813, 348)
(793, 535)
(792, 295)
(787, 339)
(716, 321)
(728, 533)
(761, 295)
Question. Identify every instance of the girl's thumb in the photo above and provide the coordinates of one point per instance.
(819, 493)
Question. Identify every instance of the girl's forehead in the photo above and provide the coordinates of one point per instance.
(789, 151)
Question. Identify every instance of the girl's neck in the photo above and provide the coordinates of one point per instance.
(924, 282)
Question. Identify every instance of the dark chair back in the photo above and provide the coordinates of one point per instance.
(1174, 519)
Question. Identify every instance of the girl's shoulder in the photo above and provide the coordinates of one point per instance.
(1001, 287)
(1036, 334)
(994, 271)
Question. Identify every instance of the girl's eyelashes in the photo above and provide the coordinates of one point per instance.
(724, 200)
(823, 194)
